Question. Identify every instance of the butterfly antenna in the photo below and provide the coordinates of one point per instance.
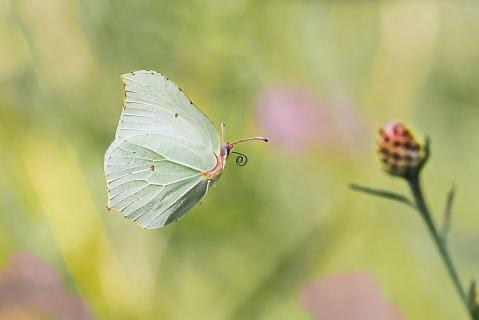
(250, 139)
(222, 133)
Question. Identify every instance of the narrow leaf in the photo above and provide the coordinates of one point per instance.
(473, 305)
(446, 223)
(427, 151)
(383, 193)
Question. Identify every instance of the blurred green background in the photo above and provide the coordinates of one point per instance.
(285, 219)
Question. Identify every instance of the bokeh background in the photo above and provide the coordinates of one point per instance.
(317, 77)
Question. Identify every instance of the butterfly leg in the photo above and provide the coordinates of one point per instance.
(207, 188)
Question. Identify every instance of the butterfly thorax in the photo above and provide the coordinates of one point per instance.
(215, 173)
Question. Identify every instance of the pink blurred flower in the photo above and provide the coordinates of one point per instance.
(294, 121)
(31, 289)
(348, 296)
(289, 117)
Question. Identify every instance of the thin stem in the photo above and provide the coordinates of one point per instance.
(415, 186)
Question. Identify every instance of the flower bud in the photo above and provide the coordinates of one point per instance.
(400, 153)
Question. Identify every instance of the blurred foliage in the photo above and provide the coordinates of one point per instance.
(286, 218)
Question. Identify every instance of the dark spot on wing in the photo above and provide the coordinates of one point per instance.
(176, 115)
(152, 167)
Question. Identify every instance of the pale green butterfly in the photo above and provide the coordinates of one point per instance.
(165, 155)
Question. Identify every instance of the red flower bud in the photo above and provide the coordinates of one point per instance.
(400, 153)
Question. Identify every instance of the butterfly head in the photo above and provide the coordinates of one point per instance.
(226, 149)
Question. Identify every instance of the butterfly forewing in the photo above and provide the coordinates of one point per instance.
(155, 104)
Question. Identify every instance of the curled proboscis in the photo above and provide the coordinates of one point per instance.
(241, 159)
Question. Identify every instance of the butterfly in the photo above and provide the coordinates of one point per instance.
(166, 153)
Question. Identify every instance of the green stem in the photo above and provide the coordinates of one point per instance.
(415, 186)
